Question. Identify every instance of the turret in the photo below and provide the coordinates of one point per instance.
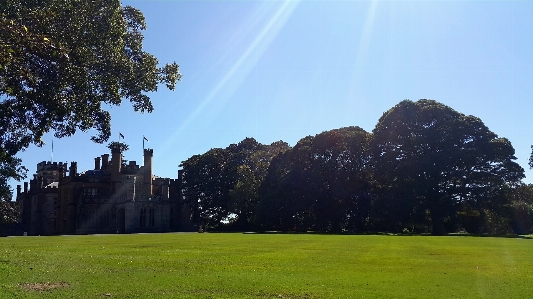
(148, 154)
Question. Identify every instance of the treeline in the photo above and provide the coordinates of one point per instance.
(425, 168)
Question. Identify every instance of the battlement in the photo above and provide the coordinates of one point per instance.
(47, 165)
(131, 166)
(149, 152)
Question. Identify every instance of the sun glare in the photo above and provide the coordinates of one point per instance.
(267, 30)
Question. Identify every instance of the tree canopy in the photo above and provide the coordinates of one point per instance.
(319, 184)
(425, 168)
(428, 157)
(222, 184)
(62, 60)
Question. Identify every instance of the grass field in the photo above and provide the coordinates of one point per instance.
(265, 266)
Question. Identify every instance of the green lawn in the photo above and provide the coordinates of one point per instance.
(265, 266)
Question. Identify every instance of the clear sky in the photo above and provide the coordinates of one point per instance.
(282, 70)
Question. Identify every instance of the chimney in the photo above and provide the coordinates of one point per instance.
(97, 163)
(105, 161)
(148, 154)
(116, 163)
(25, 187)
(73, 169)
(19, 188)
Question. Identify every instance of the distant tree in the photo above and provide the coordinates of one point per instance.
(319, 184)
(206, 186)
(64, 62)
(11, 168)
(520, 212)
(249, 163)
(431, 161)
(221, 185)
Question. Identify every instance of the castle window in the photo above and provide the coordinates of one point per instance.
(151, 217)
(143, 218)
(90, 192)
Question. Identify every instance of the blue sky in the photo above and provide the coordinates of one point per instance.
(282, 70)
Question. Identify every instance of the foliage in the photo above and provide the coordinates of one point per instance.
(206, 188)
(424, 168)
(10, 168)
(520, 209)
(431, 161)
(531, 158)
(62, 63)
(221, 184)
(61, 60)
(265, 266)
(120, 145)
(320, 184)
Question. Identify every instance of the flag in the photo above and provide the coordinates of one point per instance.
(120, 134)
(144, 138)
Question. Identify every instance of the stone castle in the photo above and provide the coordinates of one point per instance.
(114, 197)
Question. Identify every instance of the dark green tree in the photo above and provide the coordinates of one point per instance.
(249, 163)
(320, 184)
(430, 161)
(206, 187)
(9, 169)
(520, 212)
(221, 185)
(63, 62)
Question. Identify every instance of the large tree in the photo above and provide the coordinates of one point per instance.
(430, 161)
(63, 62)
(322, 184)
(221, 185)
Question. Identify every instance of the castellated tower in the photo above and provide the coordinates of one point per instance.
(148, 154)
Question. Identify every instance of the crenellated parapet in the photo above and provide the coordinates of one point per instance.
(47, 165)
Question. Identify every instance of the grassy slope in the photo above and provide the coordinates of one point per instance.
(266, 266)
